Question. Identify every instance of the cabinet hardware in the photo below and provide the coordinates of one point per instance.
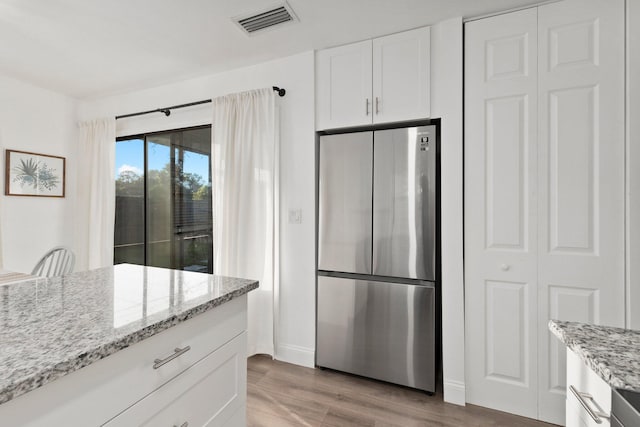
(505, 267)
(582, 397)
(366, 105)
(177, 353)
(377, 109)
(184, 424)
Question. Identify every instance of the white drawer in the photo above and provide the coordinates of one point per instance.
(210, 393)
(127, 376)
(585, 380)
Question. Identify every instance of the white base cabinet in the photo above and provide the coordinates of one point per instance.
(204, 386)
(207, 394)
(590, 391)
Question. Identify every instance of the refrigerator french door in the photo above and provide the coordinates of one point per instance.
(377, 194)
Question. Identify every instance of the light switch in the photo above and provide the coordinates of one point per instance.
(295, 216)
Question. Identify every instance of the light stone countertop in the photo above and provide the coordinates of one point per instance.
(52, 327)
(613, 353)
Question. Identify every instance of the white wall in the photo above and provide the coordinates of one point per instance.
(41, 121)
(446, 103)
(296, 339)
(633, 164)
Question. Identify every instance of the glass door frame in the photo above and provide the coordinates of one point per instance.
(144, 137)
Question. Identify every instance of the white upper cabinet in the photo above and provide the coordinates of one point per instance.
(374, 81)
(344, 85)
(401, 65)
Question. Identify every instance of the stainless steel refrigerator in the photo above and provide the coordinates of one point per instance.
(377, 254)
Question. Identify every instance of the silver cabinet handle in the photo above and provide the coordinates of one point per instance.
(596, 414)
(366, 106)
(177, 353)
(377, 109)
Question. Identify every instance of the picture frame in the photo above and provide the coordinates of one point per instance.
(34, 174)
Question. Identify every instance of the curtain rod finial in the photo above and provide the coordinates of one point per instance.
(281, 91)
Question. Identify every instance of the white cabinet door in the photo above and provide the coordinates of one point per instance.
(401, 81)
(210, 393)
(584, 380)
(581, 177)
(343, 86)
(500, 212)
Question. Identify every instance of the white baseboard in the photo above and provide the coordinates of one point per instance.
(295, 354)
(454, 392)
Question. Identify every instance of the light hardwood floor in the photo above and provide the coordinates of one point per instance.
(282, 395)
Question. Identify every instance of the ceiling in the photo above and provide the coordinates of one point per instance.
(91, 48)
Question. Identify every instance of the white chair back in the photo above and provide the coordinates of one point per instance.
(57, 262)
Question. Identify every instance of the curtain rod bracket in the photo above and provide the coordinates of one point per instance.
(281, 92)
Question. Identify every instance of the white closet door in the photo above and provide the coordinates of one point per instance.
(581, 177)
(500, 212)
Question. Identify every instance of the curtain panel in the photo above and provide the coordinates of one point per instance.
(245, 203)
(95, 198)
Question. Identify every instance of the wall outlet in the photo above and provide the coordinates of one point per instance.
(295, 216)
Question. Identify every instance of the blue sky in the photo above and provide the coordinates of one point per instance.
(130, 156)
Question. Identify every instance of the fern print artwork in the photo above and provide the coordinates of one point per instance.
(30, 174)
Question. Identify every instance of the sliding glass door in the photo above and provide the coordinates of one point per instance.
(163, 200)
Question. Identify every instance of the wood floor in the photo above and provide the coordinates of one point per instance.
(281, 395)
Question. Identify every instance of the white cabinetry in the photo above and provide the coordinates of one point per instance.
(544, 195)
(207, 394)
(374, 81)
(203, 386)
(591, 392)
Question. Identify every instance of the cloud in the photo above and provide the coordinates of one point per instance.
(129, 168)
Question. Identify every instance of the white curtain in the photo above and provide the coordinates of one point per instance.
(245, 203)
(95, 198)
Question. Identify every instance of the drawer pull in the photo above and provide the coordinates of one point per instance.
(177, 353)
(596, 414)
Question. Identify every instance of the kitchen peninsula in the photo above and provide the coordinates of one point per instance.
(124, 345)
(599, 359)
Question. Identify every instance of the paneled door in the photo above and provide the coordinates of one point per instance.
(581, 169)
(544, 195)
(501, 211)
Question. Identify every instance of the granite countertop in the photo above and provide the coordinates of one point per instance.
(613, 353)
(52, 327)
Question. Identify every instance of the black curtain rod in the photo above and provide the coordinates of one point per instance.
(167, 110)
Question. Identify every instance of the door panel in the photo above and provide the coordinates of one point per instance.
(500, 212)
(573, 172)
(507, 327)
(404, 203)
(345, 193)
(581, 134)
(377, 329)
(506, 173)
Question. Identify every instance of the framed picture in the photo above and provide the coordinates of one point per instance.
(32, 174)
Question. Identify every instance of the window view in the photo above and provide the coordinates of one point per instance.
(163, 200)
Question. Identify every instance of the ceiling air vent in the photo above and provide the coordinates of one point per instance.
(277, 15)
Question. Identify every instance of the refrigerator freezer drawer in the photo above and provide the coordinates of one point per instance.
(404, 203)
(344, 205)
(379, 330)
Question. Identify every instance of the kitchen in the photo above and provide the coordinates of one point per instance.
(24, 105)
